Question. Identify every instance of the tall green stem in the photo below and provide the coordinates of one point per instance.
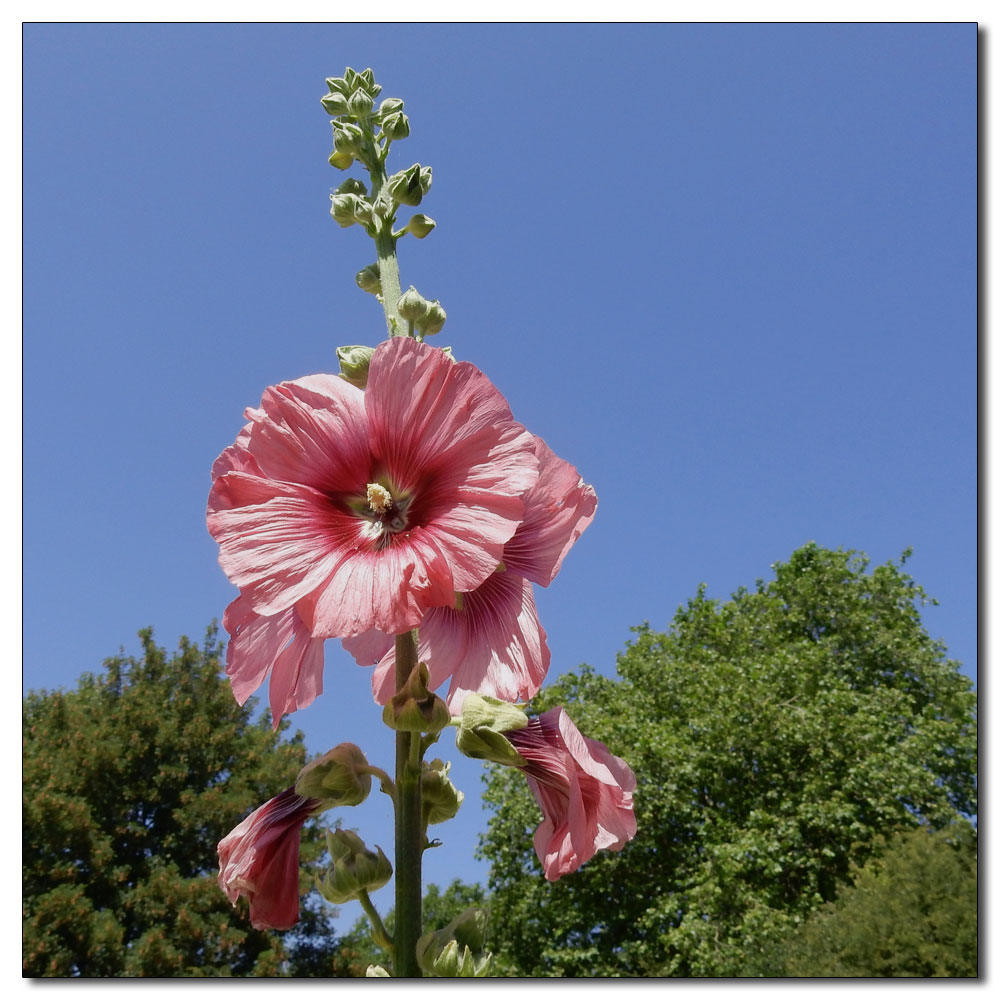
(409, 828)
(385, 248)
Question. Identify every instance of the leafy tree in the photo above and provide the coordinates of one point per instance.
(130, 781)
(910, 912)
(357, 949)
(774, 737)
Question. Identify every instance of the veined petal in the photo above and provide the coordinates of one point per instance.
(556, 511)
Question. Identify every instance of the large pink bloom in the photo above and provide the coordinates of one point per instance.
(491, 643)
(364, 509)
(584, 791)
(260, 860)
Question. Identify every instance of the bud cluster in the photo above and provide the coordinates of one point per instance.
(354, 869)
(458, 950)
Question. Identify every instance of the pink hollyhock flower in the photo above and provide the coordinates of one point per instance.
(260, 859)
(492, 643)
(584, 791)
(281, 645)
(364, 509)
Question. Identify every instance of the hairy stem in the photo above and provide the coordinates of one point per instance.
(409, 828)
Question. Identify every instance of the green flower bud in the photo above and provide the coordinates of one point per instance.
(343, 208)
(360, 103)
(366, 79)
(439, 798)
(390, 106)
(456, 951)
(341, 160)
(334, 104)
(354, 360)
(376, 972)
(420, 225)
(339, 777)
(415, 709)
(481, 726)
(425, 179)
(353, 185)
(369, 280)
(338, 85)
(432, 320)
(350, 81)
(363, 211)
(404, 187)
(354, 867)
(347, 138)
(411, 305)
(396, 126)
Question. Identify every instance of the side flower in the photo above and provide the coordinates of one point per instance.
(584, 791)
(260, 860)
(491, 642)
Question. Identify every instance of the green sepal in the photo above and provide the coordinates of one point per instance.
(415, 708)
(354, 361)
(456, 951)
(439, 798)
(481, 726)
(340, 777)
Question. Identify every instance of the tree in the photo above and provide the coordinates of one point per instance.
(357, 950)
(910, 912)
(774, 737)
(130, 781)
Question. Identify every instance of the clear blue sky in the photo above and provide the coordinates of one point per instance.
(729, 271)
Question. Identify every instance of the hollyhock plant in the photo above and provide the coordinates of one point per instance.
(584, 791)
(260, 860)
(491, 642)
(363, 509)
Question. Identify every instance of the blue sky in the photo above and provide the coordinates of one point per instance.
(728, 271)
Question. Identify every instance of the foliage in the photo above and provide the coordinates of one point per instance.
(357, 950)
(130, 780)
(774, 737)
(910, 912)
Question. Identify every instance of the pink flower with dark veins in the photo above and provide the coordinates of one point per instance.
(260, 860)
(491, 642)
(363, 510)
(584, 791)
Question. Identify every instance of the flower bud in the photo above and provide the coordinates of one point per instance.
(353, 185)
(482, 724)
(376, 972)
(425, 179)
(338, 85)
(334, 104)
(354, 868)
(439, 798)
(390, 106)
(369, 280)
(404, 187)
(366, 79)
(354, 360)
(415, 709)
(420, 225)
(396, 126)
(363, 211)
(350, 80)
(360, 103)
(340, 160)
(432, 320)
(456, 951)
(347, 138)
(339, 777)
(411, 305)
(343, 208)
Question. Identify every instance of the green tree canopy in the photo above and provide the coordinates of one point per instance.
(130, 781)
(774, 737)
(911, 911)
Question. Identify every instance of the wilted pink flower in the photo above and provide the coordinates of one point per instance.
(260, 860)
(364, 509)
(281, 645)
(584, 791)
(492, 643)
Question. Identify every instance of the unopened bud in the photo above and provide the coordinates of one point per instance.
(354, 867)
(481, 726)
(420, 225)
(353, 185)
(343, 207)
(411, 305)
(354, 362)
(369, 280)
(425, 179)
(414, 708)
(366, 79)
(338, 85)
(334, 103)
(439, 798)
(360, 103)
(340, 160)
(390, 106)
(340, 777)
(404, 187)
(433, 319)
(396, 126)
(347, 138)
(456, 951)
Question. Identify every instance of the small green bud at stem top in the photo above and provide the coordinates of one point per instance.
(420, 225)
(414, 708)
(412, 305)
(395, 126)
(334, 104)
(405, 187)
